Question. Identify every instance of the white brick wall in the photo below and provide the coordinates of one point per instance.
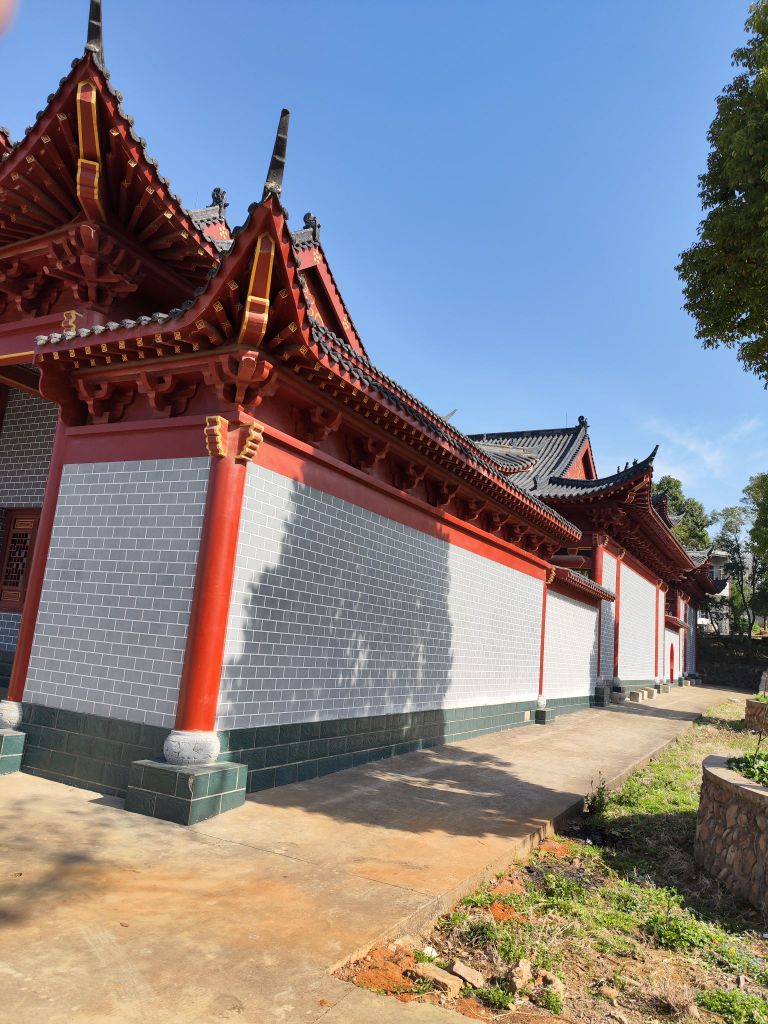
(637, 626)
(112, 627)
(608, 618)
(662, 613)
(339, 612)
(26, 442)
(672, 639)
(692, 616)
(570, 647)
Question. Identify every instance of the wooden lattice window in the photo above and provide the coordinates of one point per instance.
(19, 541)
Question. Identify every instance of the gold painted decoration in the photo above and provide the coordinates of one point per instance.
(254, 435)
(216, 432)
(256, 314)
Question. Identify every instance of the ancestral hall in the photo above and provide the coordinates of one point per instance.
(235, 554)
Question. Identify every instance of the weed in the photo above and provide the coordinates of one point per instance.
(454, 920)
(423, 985)
(596, 800)
(495, 996)
(478, 899)
(423, 958)
(734, 1006)
(751, 766)
(480, 933)
(509, 947)
(762, 697)
(680, 932)
(550, 1000)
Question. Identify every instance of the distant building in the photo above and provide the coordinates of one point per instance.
(719, 605)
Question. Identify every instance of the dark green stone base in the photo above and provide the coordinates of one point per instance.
(11, 750)
(628, 685)
(545, 715)
(83, 750)
(185, 795)
(280, 754)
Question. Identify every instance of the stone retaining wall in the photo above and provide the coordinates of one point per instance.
(756, 715)
(732, 832)
(731, 673)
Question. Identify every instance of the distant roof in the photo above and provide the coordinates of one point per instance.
(535, 456)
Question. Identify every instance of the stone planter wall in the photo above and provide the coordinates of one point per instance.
(756, 715)
(732, 832)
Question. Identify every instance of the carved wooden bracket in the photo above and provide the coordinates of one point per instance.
(440, 493)
(551, 573)
(216, 433)
(408, 475)
(244, 380)
(548, 550)
(33, 293)
(472, 508)
(250, 440)
(494, 521)
(516, 532)
(316, 424)
(365, 452)
(166, 394)
(106, 400)
(93, 265)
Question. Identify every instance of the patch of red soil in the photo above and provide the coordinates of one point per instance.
(508, 887)
(384, 970)
(501, 913)
(559, 850)
(472, 1009)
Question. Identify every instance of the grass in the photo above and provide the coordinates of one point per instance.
(619, 906)
(628, 906)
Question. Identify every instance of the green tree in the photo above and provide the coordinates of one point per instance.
(691, 531)
(743, 536)
(725, 273)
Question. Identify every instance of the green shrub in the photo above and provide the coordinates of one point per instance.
(734, 1006)
(550, 1000)
(478, 899)
(480, 933)
(751, 766)
(509, 947)
(762, 697)
(678, 932)
(495, 996)
(562, 892)
(596, 800)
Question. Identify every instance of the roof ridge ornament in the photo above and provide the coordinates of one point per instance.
(95, 44)
(273, 186)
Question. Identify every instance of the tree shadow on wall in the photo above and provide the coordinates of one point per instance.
(346, 613)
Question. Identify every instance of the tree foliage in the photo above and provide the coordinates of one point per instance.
(691, 531)
(743, 535)
(725, 273)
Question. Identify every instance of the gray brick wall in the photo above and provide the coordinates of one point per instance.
(26, 442)
(570, 647)
(113, 618)
(338, 612)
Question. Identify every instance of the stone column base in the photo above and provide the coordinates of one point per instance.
(11, 749)
(185, 794)
(544, 716)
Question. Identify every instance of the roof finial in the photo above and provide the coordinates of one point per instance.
(273, 186)
(95, 44)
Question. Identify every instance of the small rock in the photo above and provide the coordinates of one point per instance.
(429, 951)
(406, 942)
(467, 973)
(616, 1015)
(552, 981)
(693, 1011)
(124, 924)
(608, 992)
(520, 976)
(441, 979)
(742, 980)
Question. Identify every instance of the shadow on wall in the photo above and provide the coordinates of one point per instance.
(342, 614)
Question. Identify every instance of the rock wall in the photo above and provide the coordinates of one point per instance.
(732, 832)
(756, 715)
(731, 673)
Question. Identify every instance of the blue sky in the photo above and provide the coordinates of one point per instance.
(504, 188)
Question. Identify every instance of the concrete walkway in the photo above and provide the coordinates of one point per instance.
(107, 916)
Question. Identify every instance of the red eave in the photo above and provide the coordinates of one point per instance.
(673, 622)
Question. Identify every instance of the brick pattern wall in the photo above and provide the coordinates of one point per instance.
(637, 626)
(672, 639)
(692, 616)
(607, 635)
(662, 613)
(26, 442)
(113, 618)
(338, 612)
(570, 647)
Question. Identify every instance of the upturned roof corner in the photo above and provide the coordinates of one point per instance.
(273, 186)
(95, 42)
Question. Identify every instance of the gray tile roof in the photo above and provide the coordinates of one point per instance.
(546, 453)
(564, 487)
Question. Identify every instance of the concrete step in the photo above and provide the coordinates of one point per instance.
(617, 697)
(637, 696)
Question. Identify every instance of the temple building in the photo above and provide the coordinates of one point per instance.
(235, 553)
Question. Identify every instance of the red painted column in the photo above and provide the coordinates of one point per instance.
(543, 637)
(656, 638)
(201, 671)
(617, 617)
(37, 569)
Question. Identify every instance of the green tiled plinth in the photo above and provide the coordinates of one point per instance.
(184, 795)
(545, 715)
(11, 750)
